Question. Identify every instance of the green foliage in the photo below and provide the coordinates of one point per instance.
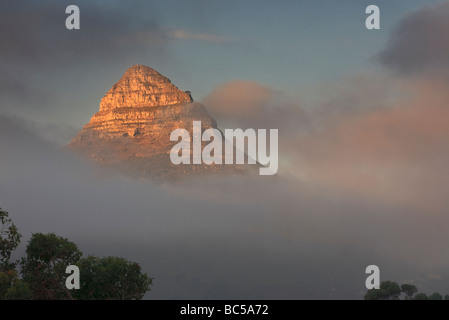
(409, 289)
(391, 291)
(376, 294)
(13, 288)
(420, 296)
(435, 296)
(43, 268)
(47, 257)
(6, 280)
(19, 291)
(391, 288)
(388, 291)
(9, 240)
(111, 278)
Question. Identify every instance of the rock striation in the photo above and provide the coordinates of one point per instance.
(142, 87)
(131, 131)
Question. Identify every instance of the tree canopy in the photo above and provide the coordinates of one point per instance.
(43, 276)
(111, 278)
(9, 240)
(43, 268)
(390, 290)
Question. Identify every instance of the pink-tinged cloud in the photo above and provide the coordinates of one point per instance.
(186, 35)
(372, 137)
(397, 153)
(249, 104)
(238, 98)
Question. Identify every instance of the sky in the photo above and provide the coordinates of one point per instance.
(363, 132)
(53, 75)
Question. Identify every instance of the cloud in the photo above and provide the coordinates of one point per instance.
(249, 104)
(393, 154)
(186, 35)
(40, 58)
(37, 33)
(218, 238)
(372, 135)
(238, 98)
(13, 86)
(419, 43)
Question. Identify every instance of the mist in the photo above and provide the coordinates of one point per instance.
(362, 176)
(220, 238)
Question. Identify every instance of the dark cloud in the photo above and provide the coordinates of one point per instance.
(20, 92)
(44, 66)
(36, 33)
(48, 72)
(419, 43)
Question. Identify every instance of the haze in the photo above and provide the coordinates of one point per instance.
(363, 136)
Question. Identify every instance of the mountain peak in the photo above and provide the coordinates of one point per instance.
(131, 131)
(141, 86)
(140, 71)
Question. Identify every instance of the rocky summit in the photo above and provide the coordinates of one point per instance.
(131, 131)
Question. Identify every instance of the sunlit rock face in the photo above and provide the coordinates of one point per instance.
(131, 131)
(142, 87)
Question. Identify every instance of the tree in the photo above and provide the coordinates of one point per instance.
(391, 291)
(409, 290)
(435, 296)
(19, 291)
(420, 296)
(13, 288)
(388, 290)
(376, 294)
(43, 268)
(391, 288)
(6, 279)
(47, 257)
(111, 278)
(9, 240)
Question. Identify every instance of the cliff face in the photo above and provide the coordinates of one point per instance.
(142, 87)
(131, 131)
